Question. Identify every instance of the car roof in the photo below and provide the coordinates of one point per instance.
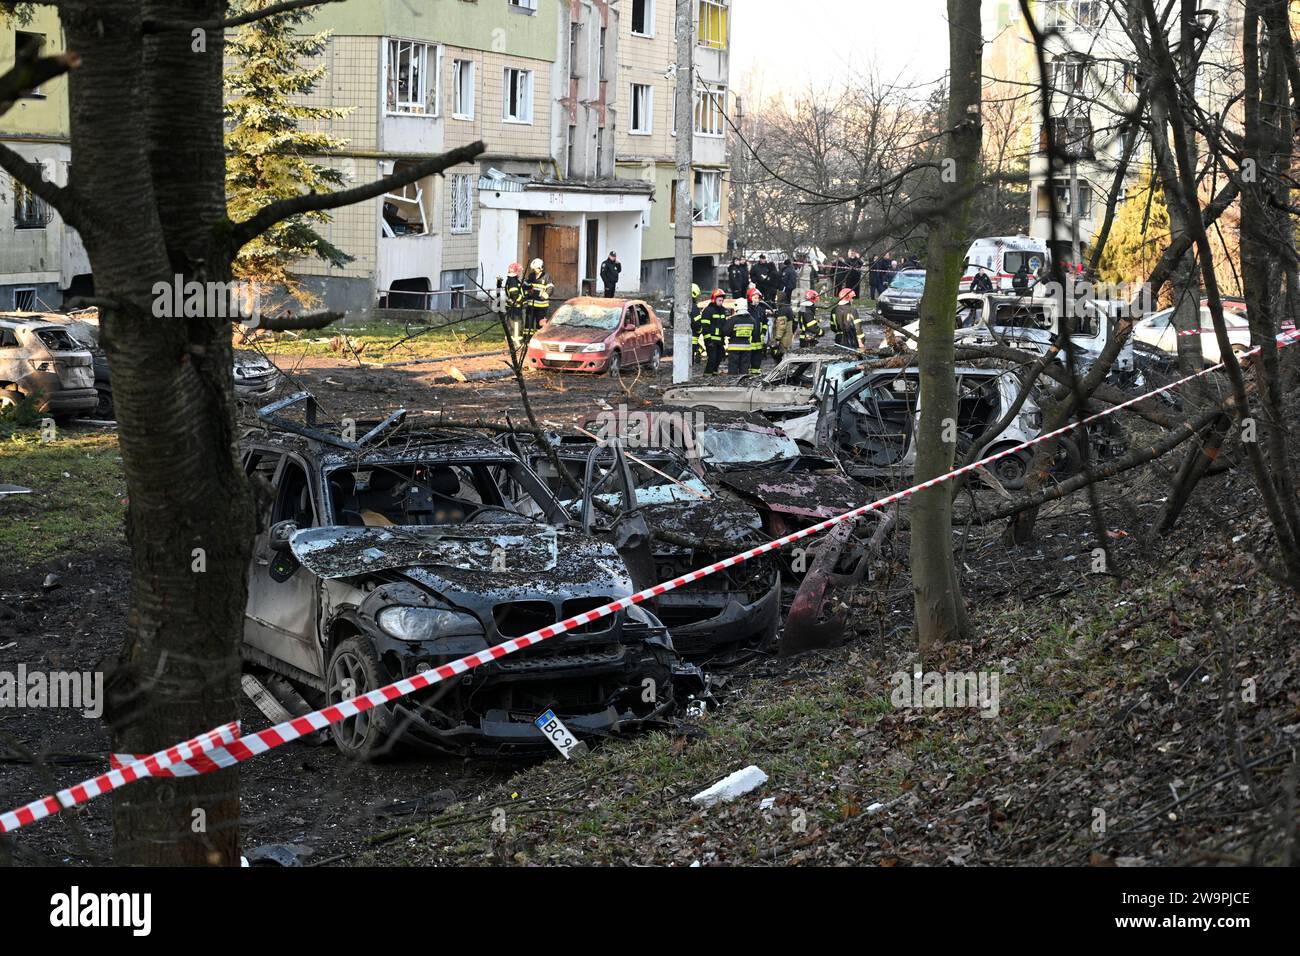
(31, 322)
(402, 445)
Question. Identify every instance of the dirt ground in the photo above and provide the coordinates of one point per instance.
(331, 809)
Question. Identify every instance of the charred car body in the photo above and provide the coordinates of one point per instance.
(39, 360)
(384, 557)
(720, 618)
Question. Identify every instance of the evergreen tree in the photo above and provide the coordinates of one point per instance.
(1138, 237)
(273, 141)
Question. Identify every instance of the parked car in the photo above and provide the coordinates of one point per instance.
(903, 297)
(382, 558)
(41, 361)
(720, 619)
(791, 382)
(256, 376)
(1157, 331)
(598, 335)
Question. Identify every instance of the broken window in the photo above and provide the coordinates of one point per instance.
(642, 109)
(463, 89)
(517, 106)
(405, 211)
(707, 209)
(30, 210)
(643, 17)
(28, 44)
(710, 109)
(712, 31)
(409, 86)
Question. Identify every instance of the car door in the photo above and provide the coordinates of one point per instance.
(627, 336)
(281, 615)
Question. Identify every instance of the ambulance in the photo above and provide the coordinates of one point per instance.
(999, 257)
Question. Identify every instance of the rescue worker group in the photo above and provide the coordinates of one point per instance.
(759, 318)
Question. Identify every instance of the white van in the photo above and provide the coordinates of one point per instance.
(999, 258)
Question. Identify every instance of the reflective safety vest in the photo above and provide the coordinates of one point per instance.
(514, 293)
(539, 288)
(811, 327)
(742, 334)
(712, 322)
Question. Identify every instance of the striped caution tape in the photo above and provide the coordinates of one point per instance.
(244, 748)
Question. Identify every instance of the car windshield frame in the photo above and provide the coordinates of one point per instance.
(604, 318)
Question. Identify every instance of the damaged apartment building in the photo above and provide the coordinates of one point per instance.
(574, 99)
(42, 260)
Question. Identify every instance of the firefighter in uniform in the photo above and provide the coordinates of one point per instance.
(515, 301)
(697, 327)
(741, 337)
(758, 309)
(537, 295)
(810, 327)
(848, 327)
(713, 321)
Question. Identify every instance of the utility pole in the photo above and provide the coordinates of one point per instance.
(685, 188)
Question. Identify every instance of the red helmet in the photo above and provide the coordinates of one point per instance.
(515, 269)
(847, 295)
(812, 295)
(754, 294)
(717, 296)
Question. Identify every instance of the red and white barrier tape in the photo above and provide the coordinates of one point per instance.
(218, 758)
(243, 748)
(154, 765)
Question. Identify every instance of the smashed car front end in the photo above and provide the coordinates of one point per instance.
(504, 583)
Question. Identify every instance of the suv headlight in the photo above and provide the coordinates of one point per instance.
(595, 347)
(427, 623)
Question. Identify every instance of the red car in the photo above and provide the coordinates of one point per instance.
(598, 335)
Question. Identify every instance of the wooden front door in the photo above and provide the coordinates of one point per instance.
(560, 252)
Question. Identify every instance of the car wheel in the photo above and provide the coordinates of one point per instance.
(1011, 471)
(354, 669)
(104, 410)
(10, 397)
(615, 367)
(656, 358)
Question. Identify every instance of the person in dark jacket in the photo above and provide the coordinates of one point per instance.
(765, 277)
(789, 280)
(610, 270)
(738, 277)
(760, 310)
(853, 273)
(741, 337)
(1020, 282)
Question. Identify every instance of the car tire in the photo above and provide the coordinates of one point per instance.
(615, 367)
(656, 358)
(363, 736)
(1011, 471)
(9, 397)
(104, 410)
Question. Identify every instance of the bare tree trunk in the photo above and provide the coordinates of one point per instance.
(940, 610)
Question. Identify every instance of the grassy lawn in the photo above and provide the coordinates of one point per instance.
(380, 340)
(76, 502)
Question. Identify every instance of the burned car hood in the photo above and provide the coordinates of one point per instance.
(507, 561)
(342, 552)
(712, 519)
(805, 494)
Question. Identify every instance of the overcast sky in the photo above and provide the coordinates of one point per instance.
(790, 44)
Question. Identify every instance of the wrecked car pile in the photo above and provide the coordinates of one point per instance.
(386, 556)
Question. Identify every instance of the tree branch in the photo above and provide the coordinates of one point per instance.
(30, 71)
(244, 232)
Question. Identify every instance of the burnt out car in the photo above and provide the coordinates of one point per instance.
(39, 360)
(720, 619)
(386, 556)
(749, 458)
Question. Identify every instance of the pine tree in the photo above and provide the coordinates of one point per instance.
(273, 141)
(1138, 237)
